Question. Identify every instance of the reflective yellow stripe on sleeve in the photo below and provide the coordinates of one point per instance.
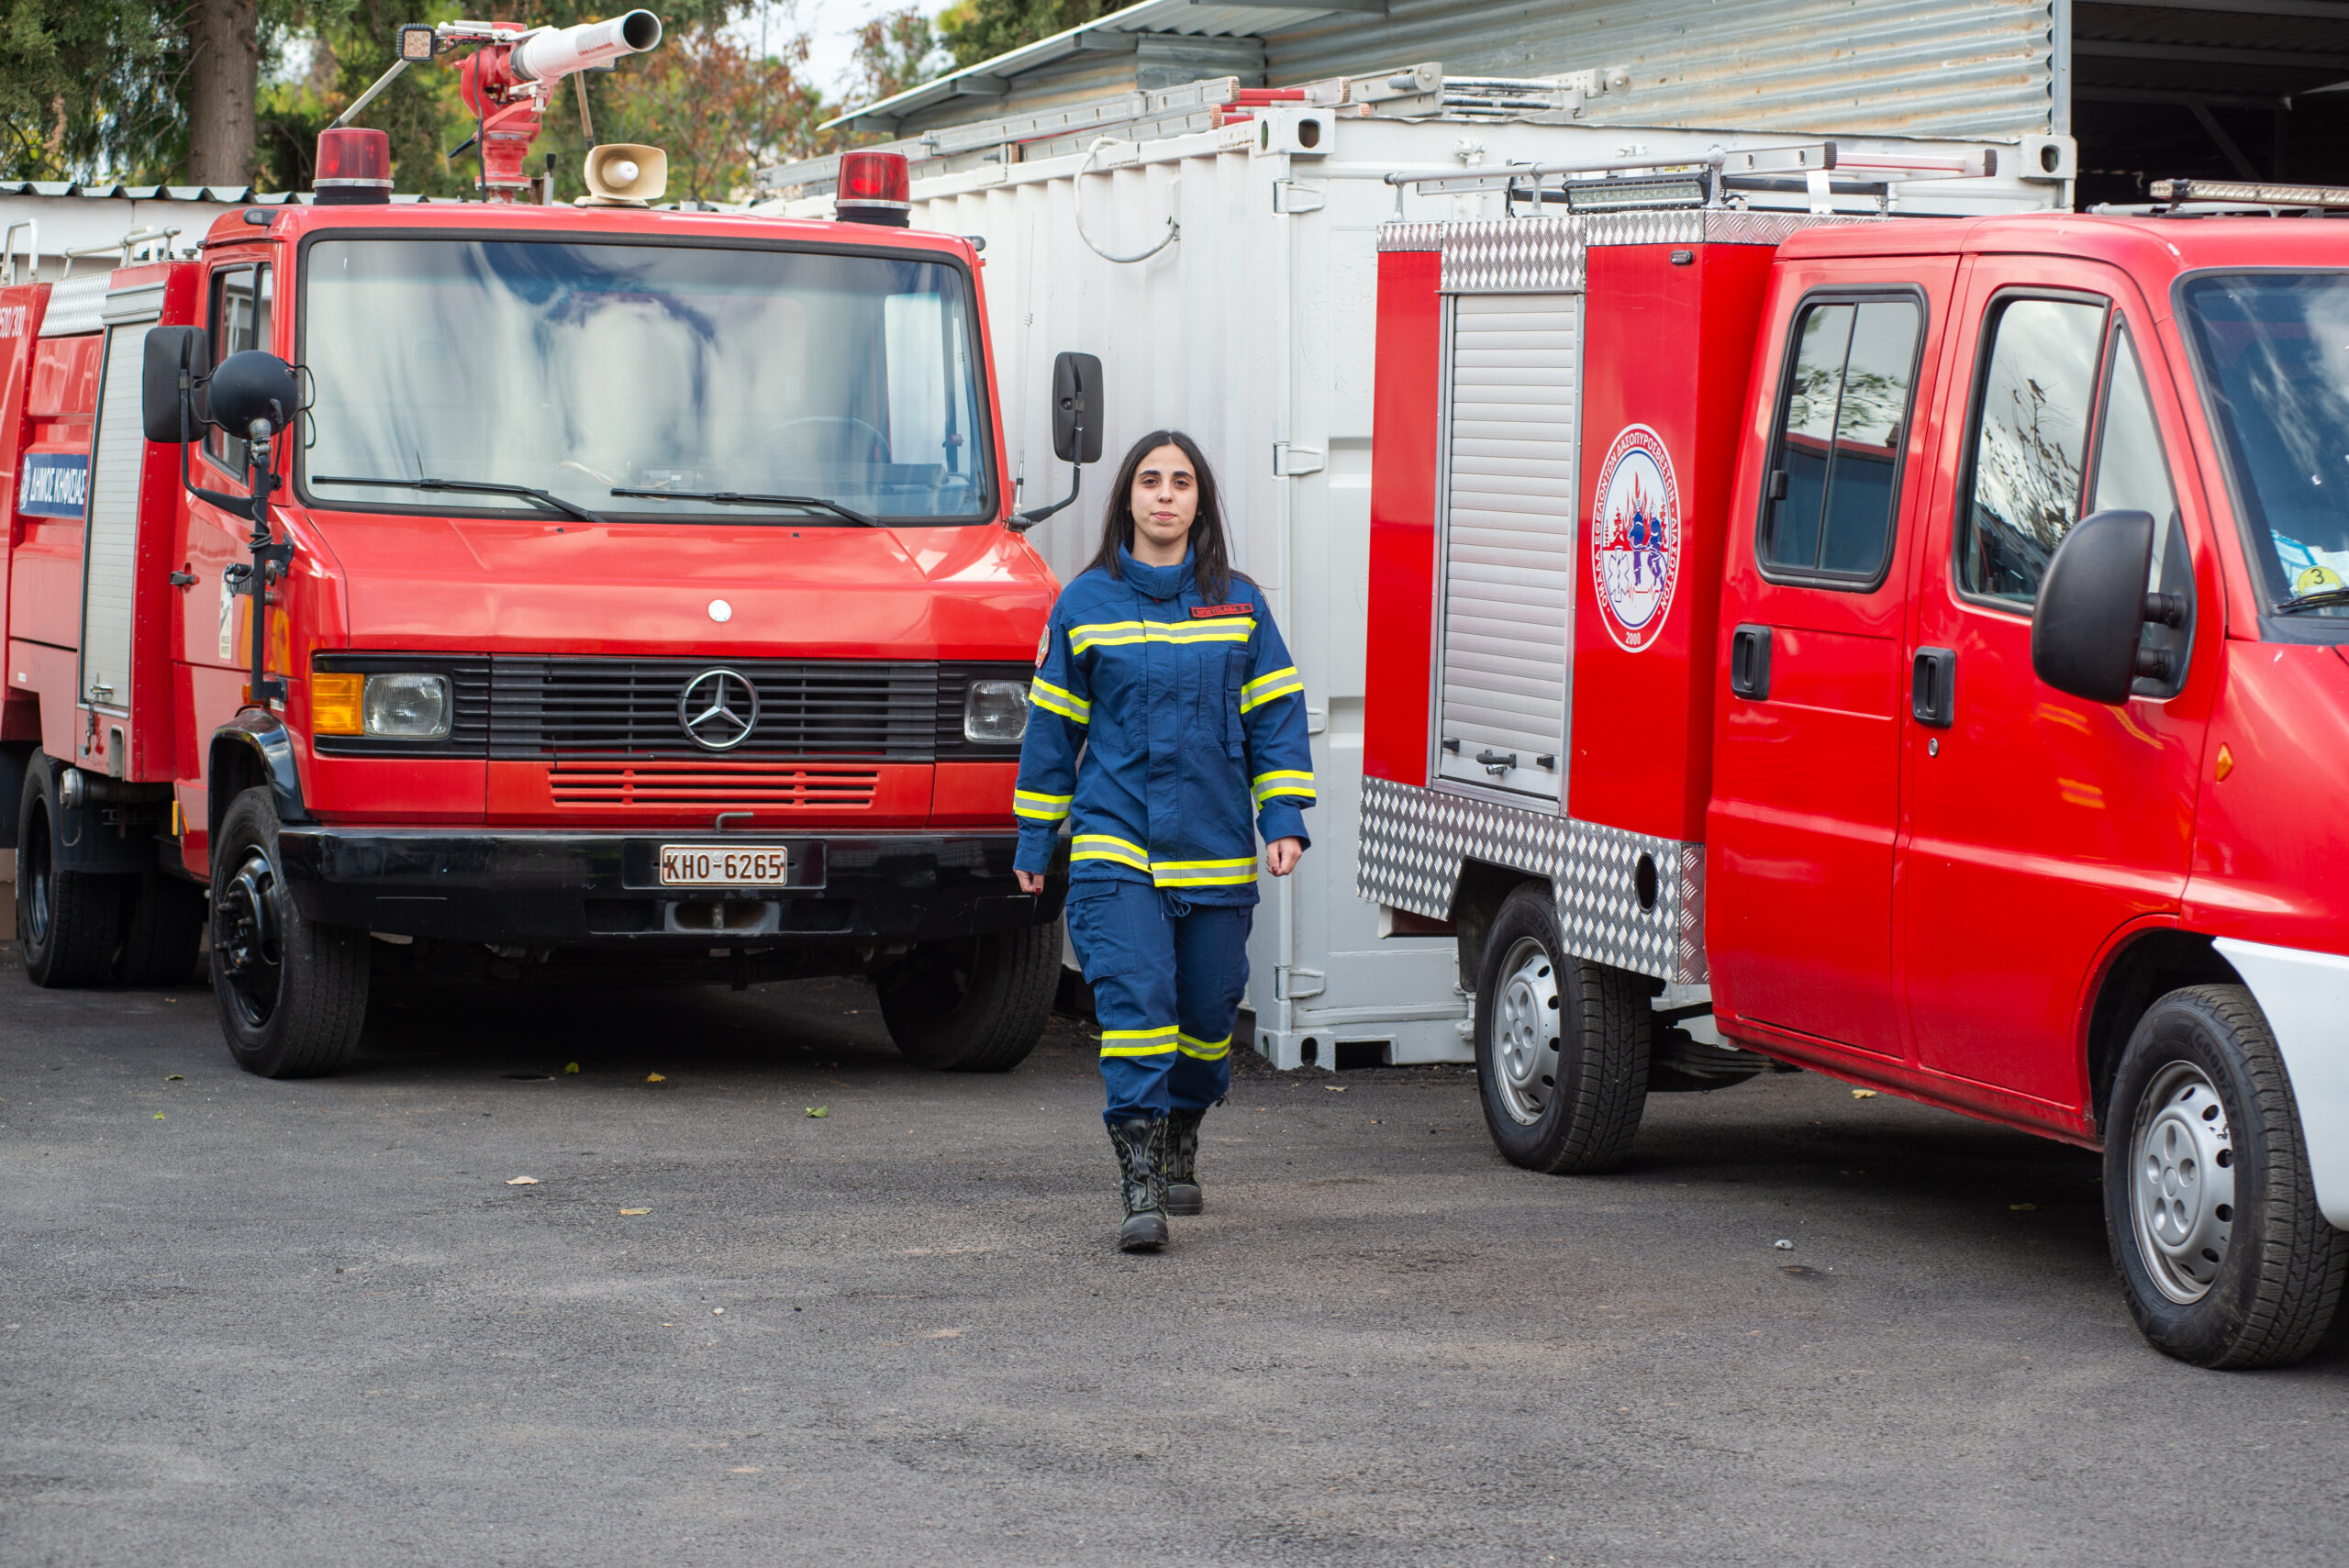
(1068, 704)
(1039, 807)
(1122, 633)
(1102, 847)
(1267, 686)
(1139, 1043)
(1203, 1050)
(1289, 782)
(1204, 873)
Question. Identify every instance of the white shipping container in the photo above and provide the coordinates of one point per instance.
(1250, 324)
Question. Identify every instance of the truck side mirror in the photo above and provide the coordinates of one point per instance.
(173, 352)
(255, 385)
(1076, 407)
(2093, 606)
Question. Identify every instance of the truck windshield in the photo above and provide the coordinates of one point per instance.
(577, 369)
(2273, 351)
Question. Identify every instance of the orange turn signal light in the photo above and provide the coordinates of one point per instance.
(334, 703)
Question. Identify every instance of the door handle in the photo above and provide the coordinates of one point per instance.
(1933, 687)
(1749, 663)
(1497, 762)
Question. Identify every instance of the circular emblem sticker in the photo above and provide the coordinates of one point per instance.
(1635, 548)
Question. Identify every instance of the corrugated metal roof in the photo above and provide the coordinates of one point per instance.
(2183, 54)
(1961, 67)
(1111, 34)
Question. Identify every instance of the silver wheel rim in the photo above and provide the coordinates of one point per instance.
(1525, 1030)
(2182, 1182)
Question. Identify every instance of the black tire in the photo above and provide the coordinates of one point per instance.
(293, 994)
(976, 1005)
(162, 929)
(69, 923)
(2210, 1208)
(1568, 1102)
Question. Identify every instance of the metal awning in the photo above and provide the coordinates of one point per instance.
(1121, 32)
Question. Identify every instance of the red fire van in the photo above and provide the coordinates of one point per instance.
(1913, 649)
(567, 593)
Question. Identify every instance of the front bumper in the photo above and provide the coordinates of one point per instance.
(571, 889)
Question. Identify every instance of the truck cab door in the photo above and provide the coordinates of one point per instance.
(2036, 824)
(1806, 796)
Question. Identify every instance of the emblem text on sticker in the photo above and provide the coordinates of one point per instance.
(1216, 612)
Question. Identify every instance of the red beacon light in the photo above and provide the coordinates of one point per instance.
(354, 167)
(874, 187)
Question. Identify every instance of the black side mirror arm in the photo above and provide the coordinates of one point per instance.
(1022, 521)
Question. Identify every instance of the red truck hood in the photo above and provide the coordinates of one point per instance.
(522, 585)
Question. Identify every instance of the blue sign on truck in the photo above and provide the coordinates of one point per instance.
(56, 485)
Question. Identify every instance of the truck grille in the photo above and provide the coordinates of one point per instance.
(739, 787)
(628, 708)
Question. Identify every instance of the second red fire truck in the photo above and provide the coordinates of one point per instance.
(564, 592)
(1913, 649)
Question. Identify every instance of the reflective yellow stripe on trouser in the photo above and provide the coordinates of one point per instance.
(1139, 1043)
(1203, 1050)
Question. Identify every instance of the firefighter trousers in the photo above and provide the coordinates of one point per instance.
(1167, 977)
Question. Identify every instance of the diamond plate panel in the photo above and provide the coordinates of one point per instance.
(1413, 842)
(1410, 236)
(1545, 255)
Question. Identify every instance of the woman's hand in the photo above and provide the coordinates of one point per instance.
(1030, 882)
(1281, 855)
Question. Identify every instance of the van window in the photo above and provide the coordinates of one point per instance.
(1834, 483)
(240, 313)
(2030, 444)
(2133, 474)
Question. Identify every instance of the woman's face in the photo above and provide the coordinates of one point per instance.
(1164, 503)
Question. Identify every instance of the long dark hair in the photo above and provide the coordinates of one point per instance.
(1210, 558)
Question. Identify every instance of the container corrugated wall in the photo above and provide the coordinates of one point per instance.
(1920, 67)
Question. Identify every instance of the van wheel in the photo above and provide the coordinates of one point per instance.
(161, 931)
(974, 1006)
(67, 922)
(2208, 1202)
(1562, 1046)
(293, 994)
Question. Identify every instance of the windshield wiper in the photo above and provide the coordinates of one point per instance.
(2323, 598)
(568, 509)
(743, 498)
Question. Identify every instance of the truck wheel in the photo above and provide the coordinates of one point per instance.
(2208, 1202)
(164, 928)
(293, 994)
(69, 922)
(976, 1006)
(1562, 1046)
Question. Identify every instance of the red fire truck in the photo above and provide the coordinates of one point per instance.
(1912, 649)
(572, 591)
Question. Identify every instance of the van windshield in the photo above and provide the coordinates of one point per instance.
(579, 369)
(2273, 351)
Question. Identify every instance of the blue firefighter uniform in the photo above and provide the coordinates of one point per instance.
(1172, 731)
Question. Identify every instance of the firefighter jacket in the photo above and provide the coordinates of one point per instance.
(1169, 731)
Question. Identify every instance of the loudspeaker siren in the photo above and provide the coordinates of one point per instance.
(625, 174)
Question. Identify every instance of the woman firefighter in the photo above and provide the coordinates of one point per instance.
(1167, 721)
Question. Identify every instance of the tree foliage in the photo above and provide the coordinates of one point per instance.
(974, 31)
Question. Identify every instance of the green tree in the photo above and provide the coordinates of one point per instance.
(894, 52)
(974, 31)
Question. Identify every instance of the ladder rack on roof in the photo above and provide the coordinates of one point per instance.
(1416, 92)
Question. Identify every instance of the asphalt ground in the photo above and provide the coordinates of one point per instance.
(254, 1323)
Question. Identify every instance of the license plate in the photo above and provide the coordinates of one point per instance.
(713, 865)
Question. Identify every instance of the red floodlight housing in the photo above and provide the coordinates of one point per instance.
(354, 167)
(874, 187)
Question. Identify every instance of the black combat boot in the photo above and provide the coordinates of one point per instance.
(1183, 1195)
(1141, 1144)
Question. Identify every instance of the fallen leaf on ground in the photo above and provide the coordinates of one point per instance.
(174, 1077)
(521, 1181)
(159, 1116)
(1335, 1088)
(1864, 1094)
(654, 1078)
(2022, 1208)
(570, 1067)
(636, 1211)
(745, 1470)
(717, 1312)
(820, 1111)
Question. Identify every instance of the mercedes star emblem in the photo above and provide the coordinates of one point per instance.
(718, 709)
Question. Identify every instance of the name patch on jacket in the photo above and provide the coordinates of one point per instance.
(1217, 612)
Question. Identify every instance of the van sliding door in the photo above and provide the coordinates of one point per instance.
(1512, 432)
